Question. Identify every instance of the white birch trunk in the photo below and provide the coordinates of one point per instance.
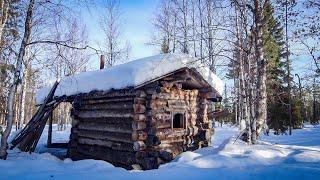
(261, 105)
(13, 86)
(23, 97)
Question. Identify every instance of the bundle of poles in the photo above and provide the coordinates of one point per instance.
(28, 138)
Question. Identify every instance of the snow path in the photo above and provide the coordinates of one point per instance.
(275, 157)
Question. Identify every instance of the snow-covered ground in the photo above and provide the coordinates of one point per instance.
(275, 157)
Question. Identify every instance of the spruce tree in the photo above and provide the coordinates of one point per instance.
(274, 49)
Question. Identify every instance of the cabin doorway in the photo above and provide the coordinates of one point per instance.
(58, 131)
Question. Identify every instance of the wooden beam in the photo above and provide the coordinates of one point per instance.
(49, 140)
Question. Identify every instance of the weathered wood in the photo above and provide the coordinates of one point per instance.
(108, 154)
(139, 117)
(105, 101)
(34, 120)
(152, 140)
(104, 113)
(109, 136)
(111, 106)
(141, 122)
(139, 100)
(139, 145)
(114, 94)
(59, 145)
(109, 120)
(139, 136)
(49, 140)
(139, 108)
(168, 133)
(113, 128)
(110, 144)
(138, 125)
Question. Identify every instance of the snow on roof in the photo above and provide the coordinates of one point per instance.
(133, 73)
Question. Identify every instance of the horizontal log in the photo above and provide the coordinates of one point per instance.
(120, 124)
(193, 103)
(113, 128)
(208, 95)
(100, 114)
(178, 103)
(106, 120)
(116, 93)
(107, 106)
(58, 145)
(108, 154)
(138, 125)
(157, 103)
(109, 136)
(139, 146)
(170, 141)
(139, 108)
(76, 155)
(139, 117)
(166, 156)
(174, 148)
(138, 100)
(168, 133)
(139, 136)
(152, 140)
(109, 144)
(160, 116)
(110, 100)
(163, 125)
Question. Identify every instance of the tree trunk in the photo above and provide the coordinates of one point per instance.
(261, 105)
(4, 10)
(23, 97)
(16, 80)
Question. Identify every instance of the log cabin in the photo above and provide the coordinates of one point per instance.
(142, 113)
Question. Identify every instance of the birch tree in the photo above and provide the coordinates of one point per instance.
(111, 26)
(4, 13)
(16, 79)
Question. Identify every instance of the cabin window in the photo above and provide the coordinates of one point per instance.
(177, 120)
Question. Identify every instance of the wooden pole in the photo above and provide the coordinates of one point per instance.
(102, 61)
(49, 140)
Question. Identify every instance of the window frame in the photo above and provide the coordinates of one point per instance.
(184, 119)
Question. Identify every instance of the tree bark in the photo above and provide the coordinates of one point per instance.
(23, 97)
(4, 10)
(16, 79)
(261, 105)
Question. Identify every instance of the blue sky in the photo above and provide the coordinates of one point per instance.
(136, 27)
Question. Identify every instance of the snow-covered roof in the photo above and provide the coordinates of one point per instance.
(133, 73)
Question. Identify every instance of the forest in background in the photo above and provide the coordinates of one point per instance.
(250, 42)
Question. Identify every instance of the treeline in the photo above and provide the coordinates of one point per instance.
(51, 50)
(43, 40)
(254, 43)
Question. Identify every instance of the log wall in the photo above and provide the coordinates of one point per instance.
(165, 142)
(107, 125)
(134, 127)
